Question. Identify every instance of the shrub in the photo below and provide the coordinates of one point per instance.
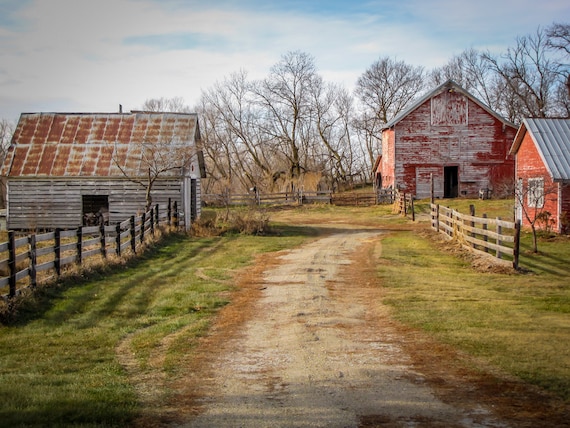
(246, 221)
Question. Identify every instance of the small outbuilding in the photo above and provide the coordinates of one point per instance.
(448, 138)
(65, 170)
(542, 158)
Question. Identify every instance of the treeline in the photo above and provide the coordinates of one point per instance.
(293, 130)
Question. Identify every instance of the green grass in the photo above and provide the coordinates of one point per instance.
(60, 364)
(494, 208)
(518, 322)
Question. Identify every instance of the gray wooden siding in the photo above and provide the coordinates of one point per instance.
(45, 203)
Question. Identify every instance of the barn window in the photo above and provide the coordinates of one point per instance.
(95, 209)
(535, 193)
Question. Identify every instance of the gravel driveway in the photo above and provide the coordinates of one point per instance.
(317, 352)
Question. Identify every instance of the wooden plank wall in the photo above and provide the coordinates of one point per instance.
(45, 203)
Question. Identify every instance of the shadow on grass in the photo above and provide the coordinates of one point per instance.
(35, 304)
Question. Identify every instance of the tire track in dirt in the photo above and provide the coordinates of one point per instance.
(315, 352)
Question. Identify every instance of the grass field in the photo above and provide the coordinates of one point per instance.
(60, 360)
(81, 352)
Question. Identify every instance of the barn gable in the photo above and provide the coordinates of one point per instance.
(450, 137)
(58, 161)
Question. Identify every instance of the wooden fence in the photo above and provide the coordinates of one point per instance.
(300, 198)
(405, 204)
(282, 198)
(23, 258)
(494, 237)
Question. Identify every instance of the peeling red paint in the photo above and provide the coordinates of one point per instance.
(448, 128)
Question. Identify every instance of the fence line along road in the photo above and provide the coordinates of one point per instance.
(382, 196)
(491, 237)
(22, 258)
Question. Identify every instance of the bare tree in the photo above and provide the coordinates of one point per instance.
(559, 41)
(384, 90)
(6, 131)
(285, 98)
(162, 104)
(559, 37)
(471, 71)
(158, 159)
(532, 198)
(234, 104)
(529, 74)
(332, 115)
(388, 87)
(217, 149)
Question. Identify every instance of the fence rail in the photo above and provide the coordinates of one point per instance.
(301, 197)
(492, 237)
(23, 258)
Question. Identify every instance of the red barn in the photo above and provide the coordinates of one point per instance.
(449, 135)
(542, 157)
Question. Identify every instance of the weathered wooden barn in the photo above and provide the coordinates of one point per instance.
(449, 135)
(542, 173)
(63, 169)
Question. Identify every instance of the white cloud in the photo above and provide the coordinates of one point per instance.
(89, 55)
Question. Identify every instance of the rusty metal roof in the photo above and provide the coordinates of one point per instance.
(96, 144)
(552, 140)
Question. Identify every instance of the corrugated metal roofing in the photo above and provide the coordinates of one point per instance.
(552, 139)
(95, 144)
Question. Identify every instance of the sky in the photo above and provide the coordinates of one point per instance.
(94, 55)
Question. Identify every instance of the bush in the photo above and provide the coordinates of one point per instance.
(246, 221)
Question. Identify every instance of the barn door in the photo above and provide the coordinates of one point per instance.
(450, 181)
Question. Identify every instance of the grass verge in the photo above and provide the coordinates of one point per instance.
(87, 352)
(516, 322)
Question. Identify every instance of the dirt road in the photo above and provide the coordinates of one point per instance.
(318, 349)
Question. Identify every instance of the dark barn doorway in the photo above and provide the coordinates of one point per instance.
(95, 209)
(450, 181)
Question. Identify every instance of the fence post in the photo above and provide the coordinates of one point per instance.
(79, 245)
(175, 208)
(516, 246)
(437, 218)
(12, 262)
(450, 223)
(412, 208)
(57, 250)
(499, 242)
(151, 214)
(472, 222)
(157, 216)
(133, 235)
(118, 239)
(143, 221)
(169, 211)
(485, 237)
(102, 240)
(431, 188)
(33, 260)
